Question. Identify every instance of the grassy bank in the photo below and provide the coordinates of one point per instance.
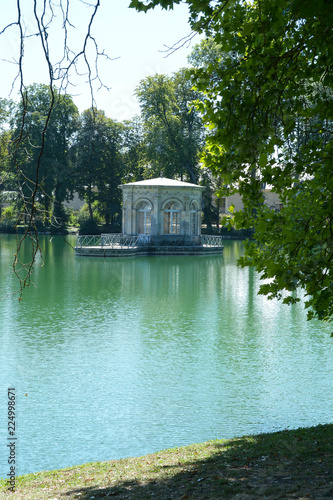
(287, 464)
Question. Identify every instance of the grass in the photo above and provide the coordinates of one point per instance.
(287, 464)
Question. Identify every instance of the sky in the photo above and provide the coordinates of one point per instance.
(136, 42)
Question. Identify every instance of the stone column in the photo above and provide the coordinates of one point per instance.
(155, 228)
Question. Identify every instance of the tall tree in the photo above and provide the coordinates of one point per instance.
(49, 25)
(30, 138)
(268, 103)
(133, 152)
(173, 128)
(6, 178)
(98, 162)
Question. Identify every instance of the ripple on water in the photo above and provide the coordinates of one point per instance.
(124, 357)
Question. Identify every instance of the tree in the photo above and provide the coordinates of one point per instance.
(98, 162)
(134, 149)
(206, 53)
(173, 128)
(108, 192)
(49, 24)
(53, 178)
(6, 178)
(268, 104)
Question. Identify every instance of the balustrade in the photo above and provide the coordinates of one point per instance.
(211, 240)
(121, 241)
(88, 241)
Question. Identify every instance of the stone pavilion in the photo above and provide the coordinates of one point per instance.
(160, 216)
(163, 209)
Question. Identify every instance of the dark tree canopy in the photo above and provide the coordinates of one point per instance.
(98, 161)
(268, 105)
(53, 177)
(173, 127)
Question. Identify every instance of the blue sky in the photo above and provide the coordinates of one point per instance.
(137, 40)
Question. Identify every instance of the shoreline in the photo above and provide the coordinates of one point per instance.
(283, 464)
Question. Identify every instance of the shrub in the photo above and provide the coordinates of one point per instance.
(73, 217)
(89, 226)
(8, 213)
(7, 226)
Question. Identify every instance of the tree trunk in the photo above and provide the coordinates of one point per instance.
(218, 213)
(89, 202)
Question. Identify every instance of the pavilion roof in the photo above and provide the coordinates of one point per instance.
(162, 181)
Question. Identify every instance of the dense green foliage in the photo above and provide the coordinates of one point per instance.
(267, 89)
(173, 128)
(263, 87)
(40, 154)
(49, 152)
(174, 134)
(98, 162)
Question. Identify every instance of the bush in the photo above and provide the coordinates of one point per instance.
(9, 213)
(73, 217)
(39, 225)
(60, 216)
(114, 227)
(210, 230)
(90, 227)
(7, 226)
(84, 214)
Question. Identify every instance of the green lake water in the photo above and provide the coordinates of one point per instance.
(121, 357)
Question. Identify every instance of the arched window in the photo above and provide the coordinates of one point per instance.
(171, 218)
(193, 219)
(144, 218)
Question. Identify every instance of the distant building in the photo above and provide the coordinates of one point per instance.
(272, 200)
(162, 207)
(160, 216)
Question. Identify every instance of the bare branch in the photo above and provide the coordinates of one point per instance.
(183, 42)
(46, 13)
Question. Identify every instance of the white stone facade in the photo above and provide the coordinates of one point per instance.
(162, 207)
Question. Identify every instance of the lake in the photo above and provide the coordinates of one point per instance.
(121, 357)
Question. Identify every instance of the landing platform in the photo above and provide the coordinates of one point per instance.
(117, 245)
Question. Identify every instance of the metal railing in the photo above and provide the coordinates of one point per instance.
(121, 241)
(209, 240)
(109, 241)
(88, 241)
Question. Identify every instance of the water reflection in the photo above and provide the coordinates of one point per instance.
(127, 356)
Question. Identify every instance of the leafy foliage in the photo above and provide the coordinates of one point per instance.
(89, 226)
(30, 138)
(173, 128)
(133, 150)
(98, 162)
(268, 105)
